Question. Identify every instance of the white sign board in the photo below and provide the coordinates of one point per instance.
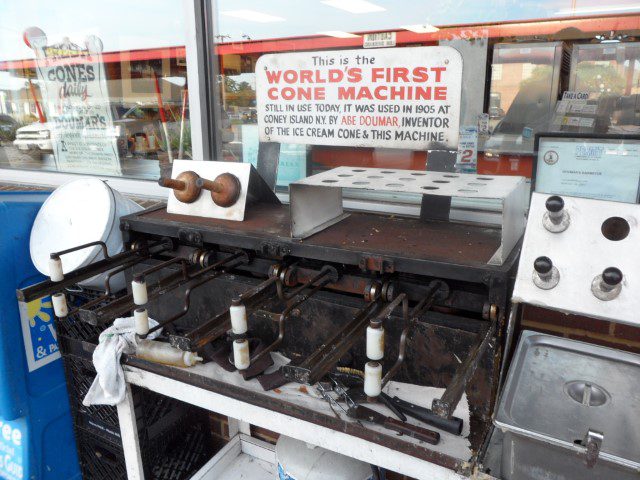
(377, 40)
(391, 97)
(74, 91)
(467, 156)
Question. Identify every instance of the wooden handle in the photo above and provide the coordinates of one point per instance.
(413, 431)
(210, 185)
(172, 183)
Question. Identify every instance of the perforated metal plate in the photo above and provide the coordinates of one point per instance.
(316, 201)
(581, 253)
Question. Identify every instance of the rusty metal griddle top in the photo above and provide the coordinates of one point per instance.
(366, 233)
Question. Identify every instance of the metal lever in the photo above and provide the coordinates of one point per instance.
(592, 444)
(219, 268)
(445, 405)
(435, 288)
(49, 287)
(327, 275)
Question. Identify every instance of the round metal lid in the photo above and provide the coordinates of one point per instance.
(76, 213)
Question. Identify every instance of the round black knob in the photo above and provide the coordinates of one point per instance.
(542, 265)
(612, 276)
(554, 204)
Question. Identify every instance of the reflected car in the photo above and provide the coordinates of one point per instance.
(34, 139)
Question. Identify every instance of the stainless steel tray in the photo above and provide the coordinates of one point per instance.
(559, 389)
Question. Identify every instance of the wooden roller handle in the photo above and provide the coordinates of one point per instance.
(172, 183)
(210, 185)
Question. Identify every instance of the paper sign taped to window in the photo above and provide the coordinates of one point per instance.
(393, 97)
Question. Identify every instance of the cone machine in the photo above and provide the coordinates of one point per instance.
(355, 300)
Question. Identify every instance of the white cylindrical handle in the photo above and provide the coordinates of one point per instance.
(55, 269)
(375, 343)
(60, 307)
(372, 379)
(139, 290)
(241, 358)
(238, 315)
(141, 320)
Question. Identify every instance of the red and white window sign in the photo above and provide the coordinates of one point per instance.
(394, 97)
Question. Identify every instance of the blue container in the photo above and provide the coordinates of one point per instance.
(36, 431)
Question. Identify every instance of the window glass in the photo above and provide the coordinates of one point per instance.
(93, 87)
(519, 60)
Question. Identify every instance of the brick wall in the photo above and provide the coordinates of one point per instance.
(614, 335)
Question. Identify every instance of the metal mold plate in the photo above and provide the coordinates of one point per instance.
(540, 400)
(316, 201)
(580, 253)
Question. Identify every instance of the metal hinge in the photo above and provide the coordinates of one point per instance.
(376, 264)
(190, 237)
(274, 249)
(592, 443)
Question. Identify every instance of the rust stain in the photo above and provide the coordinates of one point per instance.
(277, 390)
(303, 389)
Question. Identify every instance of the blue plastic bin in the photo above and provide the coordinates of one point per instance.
(36, 431)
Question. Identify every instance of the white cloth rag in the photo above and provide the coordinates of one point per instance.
(108, 388)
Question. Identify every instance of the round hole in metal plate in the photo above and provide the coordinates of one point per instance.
(484, 178)
(404, 179)
(451, 176)
(345, 175)
(586, 393)
(416, 174)
(441, 181)
(476, 184)
(329, 181)
(360, 183)
(430, 188)
(374, 176)
(468, 190)
(395, 185)
(387, 171)
(615, 229)
(358, 170)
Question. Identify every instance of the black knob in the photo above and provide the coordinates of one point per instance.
(542, 265)
(612, 276)
(554, 204)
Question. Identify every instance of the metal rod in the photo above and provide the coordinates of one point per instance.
(229, 262)
(511, 326)
(320, 362)
(214, 328)
(445, 405)
(287, 311)
(425, 304)
(282, 295)
(102, 245)
(107, 286)
(48, 287)
(160, 266)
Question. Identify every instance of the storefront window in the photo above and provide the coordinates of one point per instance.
(88, 87)
(520, 59)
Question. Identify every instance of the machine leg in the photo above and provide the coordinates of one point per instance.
(129, 436)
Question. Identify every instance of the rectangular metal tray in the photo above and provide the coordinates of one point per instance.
(544, 400)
